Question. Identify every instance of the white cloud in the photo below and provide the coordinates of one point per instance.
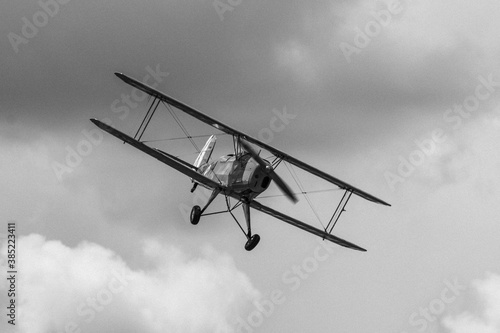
(487, 318)
(92, 288)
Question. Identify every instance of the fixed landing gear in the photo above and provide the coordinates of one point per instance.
(252, 242)
(195, 215)
(197, 212)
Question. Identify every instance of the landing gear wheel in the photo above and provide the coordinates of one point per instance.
(252, 242)
(195, 215)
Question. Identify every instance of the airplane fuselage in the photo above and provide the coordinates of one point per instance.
(242, 174)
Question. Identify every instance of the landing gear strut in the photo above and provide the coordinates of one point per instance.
(252, 240)
(197, 211)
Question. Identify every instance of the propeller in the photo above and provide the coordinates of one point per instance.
(270, 172)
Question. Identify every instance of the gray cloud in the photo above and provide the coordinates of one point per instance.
(353, 120)
(484, 317)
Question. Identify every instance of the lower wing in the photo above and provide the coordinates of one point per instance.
(170, 160)
(258, 206)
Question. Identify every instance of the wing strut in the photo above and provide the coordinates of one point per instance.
(338, 211)
(149, 115)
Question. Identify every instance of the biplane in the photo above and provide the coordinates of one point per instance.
(241, 175)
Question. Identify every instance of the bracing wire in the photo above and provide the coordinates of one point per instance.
(184, 137)
(181, 126)
(307, 192)
(299, 184)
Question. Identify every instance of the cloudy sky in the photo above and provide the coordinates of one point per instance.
(400, 98)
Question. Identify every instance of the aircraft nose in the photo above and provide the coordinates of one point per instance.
(261, 176)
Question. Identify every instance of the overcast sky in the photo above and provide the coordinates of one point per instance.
(399, 98)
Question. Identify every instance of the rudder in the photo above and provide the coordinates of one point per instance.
(206, 152)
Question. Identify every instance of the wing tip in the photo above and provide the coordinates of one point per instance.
(344, 243)
(379, 201)
(96, 122)
(354, 247)
(123, 77)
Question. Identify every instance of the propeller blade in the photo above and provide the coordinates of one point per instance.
(270, 171)
(256, 156)
(283, 186)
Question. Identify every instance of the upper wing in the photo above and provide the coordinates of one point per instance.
(256, 205)
(172, 161)
(224, 128)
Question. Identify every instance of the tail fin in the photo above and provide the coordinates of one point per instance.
(206, 152)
